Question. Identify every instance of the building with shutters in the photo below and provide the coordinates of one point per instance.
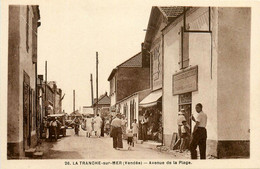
(206, 59)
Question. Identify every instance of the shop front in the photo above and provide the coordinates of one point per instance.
(150, 121)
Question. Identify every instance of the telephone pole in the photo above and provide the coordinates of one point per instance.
(97, 82)
(73, 100)
(45, 91)
(91, 82)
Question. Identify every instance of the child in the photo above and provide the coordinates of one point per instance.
(135, 129)
(130, 136)
(185, 134)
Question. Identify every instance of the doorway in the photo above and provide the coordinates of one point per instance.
(185, 102)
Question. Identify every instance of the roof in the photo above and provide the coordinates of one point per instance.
(170, 13)
(112, 74)
(104, 99)
(135, 61)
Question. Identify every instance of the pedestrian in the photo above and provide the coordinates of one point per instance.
(97, 125)
(46, 126)
(107, 127)
(144, 123)
(92, 126)
(130, 137)
(180, 118)
(76, 122)
(199, 135)
(185, 134)
(88, 126)
(116, 132)
(135, 127)
(102, 126)
(123, 125)
(54, 125)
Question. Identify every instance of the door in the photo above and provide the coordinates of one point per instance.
(26, 111)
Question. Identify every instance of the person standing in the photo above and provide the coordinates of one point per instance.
(76, 125)
(180, 118)
(185, 134)
(46, 127)
(135, 129)
(97, 125)
(88, 126)
(144, 123)
(102, 126)
(199, 135)
(116, 132)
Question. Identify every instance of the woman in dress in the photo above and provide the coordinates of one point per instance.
(88, 126)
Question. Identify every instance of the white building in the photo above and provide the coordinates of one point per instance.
(206, 59)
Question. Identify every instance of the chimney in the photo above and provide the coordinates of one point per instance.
(145, 57)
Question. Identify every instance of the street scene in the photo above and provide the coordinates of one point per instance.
(155, 82)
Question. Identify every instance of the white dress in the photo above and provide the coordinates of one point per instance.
(89, 125)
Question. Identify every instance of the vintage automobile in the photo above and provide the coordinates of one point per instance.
(61, 128)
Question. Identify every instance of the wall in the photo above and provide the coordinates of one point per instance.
(128, 101)
(26, 63)
(13, 131)
(199, 54)
(131, 80)
(113, 90)
(20, 60)
(234, 73)
(156, 54)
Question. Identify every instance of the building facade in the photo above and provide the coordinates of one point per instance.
(160, 17)
(127, 78)
(22, 79)
(206, 56)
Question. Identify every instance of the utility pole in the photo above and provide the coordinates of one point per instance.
(45, 100)
(73, 100)
(91, 82)
(97, 82)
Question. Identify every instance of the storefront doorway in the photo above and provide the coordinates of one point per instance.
(185, 102)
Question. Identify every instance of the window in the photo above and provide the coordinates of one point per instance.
(184, 49)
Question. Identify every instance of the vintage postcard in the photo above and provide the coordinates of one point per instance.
(135, 84)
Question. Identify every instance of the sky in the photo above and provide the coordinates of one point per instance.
(71, 33)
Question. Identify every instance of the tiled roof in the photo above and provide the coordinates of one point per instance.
(135, 61)
(171, 11)
(104, 99)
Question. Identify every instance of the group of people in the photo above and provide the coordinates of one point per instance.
(118, 129)
(93, 126)
(51, 127)
(198, 137)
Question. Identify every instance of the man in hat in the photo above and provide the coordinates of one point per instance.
(116, 132)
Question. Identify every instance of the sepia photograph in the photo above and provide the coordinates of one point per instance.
(117, 83)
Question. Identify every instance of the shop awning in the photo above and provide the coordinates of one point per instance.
(151, 99)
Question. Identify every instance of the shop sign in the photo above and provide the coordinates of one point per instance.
(186, 81)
